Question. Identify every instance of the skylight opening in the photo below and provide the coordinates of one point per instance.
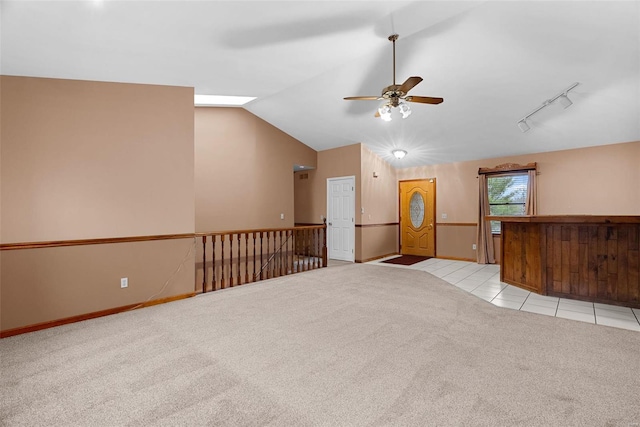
(221, 100)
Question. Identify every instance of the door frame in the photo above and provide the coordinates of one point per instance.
(352, 230)
(435, 218)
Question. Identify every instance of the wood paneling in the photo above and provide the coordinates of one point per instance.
(589, 261)
(598, 260)
(520, 255)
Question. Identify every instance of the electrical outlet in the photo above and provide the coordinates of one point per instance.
(444, 216)
(473, 246)
(124, 282)
(281, 216)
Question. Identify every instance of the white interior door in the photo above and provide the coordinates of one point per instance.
(341, 206)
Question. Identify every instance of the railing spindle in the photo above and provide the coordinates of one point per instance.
(254, 257)
(261, 259)
(324, 243)
(288, 237)
(223, 283)
(231, 259)
(280, 269)
(246, 257)
(204, 264)
(274, 266)
(314, 240)
(238, 266)
(269, 265)
(214, 282)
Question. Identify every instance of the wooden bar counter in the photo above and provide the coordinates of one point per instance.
(586, 257)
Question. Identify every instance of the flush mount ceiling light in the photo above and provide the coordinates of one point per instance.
(399, 154)
(221, 100)
(562, 98)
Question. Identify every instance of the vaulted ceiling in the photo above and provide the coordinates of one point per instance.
(492, 62)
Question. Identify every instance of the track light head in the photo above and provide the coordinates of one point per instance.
(522, 124)
(565, 101)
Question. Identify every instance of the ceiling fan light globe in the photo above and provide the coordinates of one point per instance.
(405, 110)
(385, 112)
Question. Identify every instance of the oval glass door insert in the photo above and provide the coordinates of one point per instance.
(416, 209)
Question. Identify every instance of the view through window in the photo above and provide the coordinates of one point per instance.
(507, 196)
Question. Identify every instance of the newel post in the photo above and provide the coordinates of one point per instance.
(324, 243)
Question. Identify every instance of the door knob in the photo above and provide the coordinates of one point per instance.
(430, 226)
(330, 224)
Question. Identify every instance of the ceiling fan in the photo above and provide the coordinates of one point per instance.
(396, 95)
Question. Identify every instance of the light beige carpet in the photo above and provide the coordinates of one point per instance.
(354, 345)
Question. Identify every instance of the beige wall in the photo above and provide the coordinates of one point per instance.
(379, 195)
(41, 285)
(244, 171)
(379, 198)
(597, 180)
(311, 193)
(83, 160)
(373, 242)
(376, 228)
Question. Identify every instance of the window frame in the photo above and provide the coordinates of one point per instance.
(507, 169)
(523, 203)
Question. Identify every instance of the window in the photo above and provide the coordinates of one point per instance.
(507, 196)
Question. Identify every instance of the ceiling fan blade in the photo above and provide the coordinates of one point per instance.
(409, 84)
(424, 99)
(362, 98)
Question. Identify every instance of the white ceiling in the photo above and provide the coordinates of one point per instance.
(492, 62)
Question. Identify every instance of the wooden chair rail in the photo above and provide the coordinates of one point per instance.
(80, 242)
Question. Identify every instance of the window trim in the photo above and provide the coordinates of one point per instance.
(506, 169)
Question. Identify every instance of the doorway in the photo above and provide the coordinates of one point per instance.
(341, 227)
(417, 217)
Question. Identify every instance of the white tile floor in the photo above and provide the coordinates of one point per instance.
(483, 281)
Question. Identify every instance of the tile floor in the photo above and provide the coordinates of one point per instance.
(483, 281)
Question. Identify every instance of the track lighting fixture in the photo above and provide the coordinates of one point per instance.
(562, 98)
(399, 154)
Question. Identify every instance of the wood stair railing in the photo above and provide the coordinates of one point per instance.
(232, 258)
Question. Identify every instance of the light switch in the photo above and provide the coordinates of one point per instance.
(444, 216)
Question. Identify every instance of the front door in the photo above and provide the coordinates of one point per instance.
(417, 217)
(341, 218)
